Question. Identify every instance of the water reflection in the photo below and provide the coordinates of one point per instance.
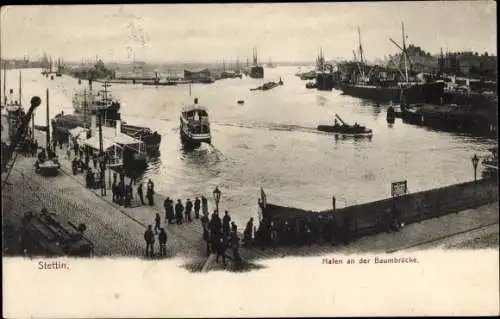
(321, 100)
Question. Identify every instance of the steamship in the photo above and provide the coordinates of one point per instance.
(194, 125)
(88, 103)
(256, 71)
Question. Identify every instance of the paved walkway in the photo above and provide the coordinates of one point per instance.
(114, 229)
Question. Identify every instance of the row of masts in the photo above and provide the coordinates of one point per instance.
(4, 90)
(405, 60)
(50, 65)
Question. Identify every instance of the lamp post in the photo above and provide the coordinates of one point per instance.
(475, 161)
(217, 194)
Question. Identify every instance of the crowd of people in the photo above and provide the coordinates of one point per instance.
(219, 234)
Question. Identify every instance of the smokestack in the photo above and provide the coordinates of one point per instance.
(93, 125)
(118, 127)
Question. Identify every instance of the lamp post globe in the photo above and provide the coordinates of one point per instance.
(217, 194)
(475, 161)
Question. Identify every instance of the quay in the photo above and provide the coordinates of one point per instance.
(118, 231)
(456, 118)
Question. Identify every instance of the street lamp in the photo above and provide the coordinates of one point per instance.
(217, 194)
(475, 161)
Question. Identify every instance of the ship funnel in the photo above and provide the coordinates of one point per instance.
(93, 125)
(118, 127)
(195, 100)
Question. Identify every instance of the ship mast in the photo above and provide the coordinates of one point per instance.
(4, 81)
(361, 56)
(20, 88)
(47, 146)
(254, 56)
(406, 59)
(404, 50)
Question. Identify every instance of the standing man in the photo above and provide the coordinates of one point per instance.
(157, 223)
(197, 204)
(162, 238)
(189, 208)
(149, 195)
(140, 194)
(179, 208)
(149, 237)
(204, 206)
(226, 220)
(165, 206)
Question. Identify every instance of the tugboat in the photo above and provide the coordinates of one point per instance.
(194, 125)
(355, 130)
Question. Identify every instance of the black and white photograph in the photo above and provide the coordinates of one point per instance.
(231, 139)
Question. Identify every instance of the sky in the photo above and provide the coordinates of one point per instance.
(215, 32)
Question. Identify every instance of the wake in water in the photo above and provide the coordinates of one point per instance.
(205, 153)
(278, 127)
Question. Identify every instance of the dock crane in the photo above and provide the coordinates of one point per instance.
(48, 235)
(9, 153)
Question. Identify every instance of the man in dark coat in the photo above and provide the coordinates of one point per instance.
(149, 195)
(197, 205)
(162, 238)
(204, 205)
(149, 237)
(206, 231)
(87, 161)
(221, 247)
(248, 232)
(189, 208)
(114, 189)
(215, 224)
(140, 193)
(179, 208)
(226, 220)
(171, 212)
(157, 223)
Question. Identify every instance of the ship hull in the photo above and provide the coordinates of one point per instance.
(348, 132)
(63, 124)
(476, 100)
(420, 93)
(191, 140)
(256, 72)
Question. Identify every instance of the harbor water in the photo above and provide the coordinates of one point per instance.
(271, 141)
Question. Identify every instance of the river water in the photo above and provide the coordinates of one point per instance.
(270, 141)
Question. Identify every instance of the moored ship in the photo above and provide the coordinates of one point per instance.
(378, 85)
(87, 103)
(256, 71)
(194, 125)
